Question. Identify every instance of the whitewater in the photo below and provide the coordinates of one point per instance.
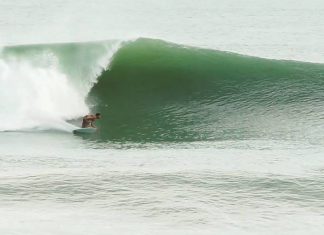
(212, 117)
(43, 86)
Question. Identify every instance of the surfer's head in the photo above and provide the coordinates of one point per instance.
(98, 115)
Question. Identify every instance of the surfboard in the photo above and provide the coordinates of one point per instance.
(85, 131)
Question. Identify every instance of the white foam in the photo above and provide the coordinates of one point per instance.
(39, 95)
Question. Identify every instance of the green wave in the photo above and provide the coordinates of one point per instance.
(159, 91)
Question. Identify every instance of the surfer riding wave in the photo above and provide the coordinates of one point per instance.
(88, 120)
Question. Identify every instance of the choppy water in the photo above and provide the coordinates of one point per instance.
(68, 185)
(192, 140)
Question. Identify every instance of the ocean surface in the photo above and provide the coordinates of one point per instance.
(212, 117)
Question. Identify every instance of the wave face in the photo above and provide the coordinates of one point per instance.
(151, 90)
(158, 91)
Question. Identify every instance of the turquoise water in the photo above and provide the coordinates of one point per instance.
(212, 117)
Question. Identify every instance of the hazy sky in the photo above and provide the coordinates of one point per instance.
(276, 29)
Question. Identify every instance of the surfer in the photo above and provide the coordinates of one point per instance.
(88, 120)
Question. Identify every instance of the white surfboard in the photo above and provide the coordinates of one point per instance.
(89, 130)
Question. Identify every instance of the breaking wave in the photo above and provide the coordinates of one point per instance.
(152, 90)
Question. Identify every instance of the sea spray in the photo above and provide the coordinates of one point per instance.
(43, 86)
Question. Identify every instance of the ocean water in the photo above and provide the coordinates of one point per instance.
(212, 117)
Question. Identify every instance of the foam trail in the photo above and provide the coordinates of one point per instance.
(36, 93)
